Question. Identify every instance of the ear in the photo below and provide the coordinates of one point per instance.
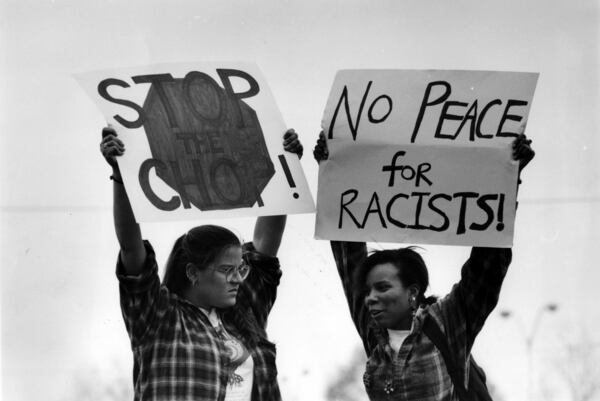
(191, 272)
(413, 291)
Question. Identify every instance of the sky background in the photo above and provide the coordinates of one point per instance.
(61, 326)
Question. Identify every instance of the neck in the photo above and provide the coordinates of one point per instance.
(192, 297)
(404, 329)
(405, 324)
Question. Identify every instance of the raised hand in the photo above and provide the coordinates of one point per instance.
(522, 150)
(320, 151)
(111, 146)
(291, 143)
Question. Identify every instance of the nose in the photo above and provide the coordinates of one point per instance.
(236, 277)
(370, 299)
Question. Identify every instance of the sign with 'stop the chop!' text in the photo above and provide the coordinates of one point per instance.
(422, 156)
(203, 140)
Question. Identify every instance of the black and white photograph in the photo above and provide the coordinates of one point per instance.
(299, 200)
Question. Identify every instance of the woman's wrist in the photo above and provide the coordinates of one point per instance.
(116, 176)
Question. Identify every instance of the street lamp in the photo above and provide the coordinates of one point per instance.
(529, 337)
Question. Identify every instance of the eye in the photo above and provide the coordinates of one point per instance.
(381, 287)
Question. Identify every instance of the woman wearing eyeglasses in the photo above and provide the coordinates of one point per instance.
(200, 334)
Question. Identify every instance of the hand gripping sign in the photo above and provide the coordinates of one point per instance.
(203, 140)
(422, 156)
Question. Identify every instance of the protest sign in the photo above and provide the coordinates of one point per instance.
(422, 156)
(203, 140)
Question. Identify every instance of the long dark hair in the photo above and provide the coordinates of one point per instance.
(201, 246)
(409, 264)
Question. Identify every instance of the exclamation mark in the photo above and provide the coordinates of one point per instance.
(288, 174)
(500, 225)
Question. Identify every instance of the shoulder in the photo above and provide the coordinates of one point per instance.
(434, 311)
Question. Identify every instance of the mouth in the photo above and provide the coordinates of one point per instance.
(233, 291)
(376, 313)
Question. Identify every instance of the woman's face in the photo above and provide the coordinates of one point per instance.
(387, 298)
(212, 289)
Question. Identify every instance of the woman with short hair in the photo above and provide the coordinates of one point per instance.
(386, 296)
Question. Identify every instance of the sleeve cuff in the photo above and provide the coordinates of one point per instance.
(140, 282)
(258, 259)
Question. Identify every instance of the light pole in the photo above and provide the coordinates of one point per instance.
(529, 338)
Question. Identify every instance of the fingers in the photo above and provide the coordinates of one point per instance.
(291, 143)
(108, 130)
(112, 149)
(110, 141)
(522, 150)
(111, 146)
(520, 139)
(289, 136)
(521, 147)
(523, 155)
(320, 151)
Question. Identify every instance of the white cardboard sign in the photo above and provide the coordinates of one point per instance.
(203, 140)
(422, 156)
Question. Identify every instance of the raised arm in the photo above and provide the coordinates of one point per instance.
(133, 252)
(348, 257)
(476, 295)
(268, 230)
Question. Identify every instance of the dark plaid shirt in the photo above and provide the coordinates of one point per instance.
(417, 371)
(178, 355)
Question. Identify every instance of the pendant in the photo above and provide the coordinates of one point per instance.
(388, 386)
(235, 379)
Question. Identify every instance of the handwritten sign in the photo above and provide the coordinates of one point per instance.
(203, 140)
(422, 156)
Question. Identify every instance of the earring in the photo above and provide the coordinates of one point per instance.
(413, 301)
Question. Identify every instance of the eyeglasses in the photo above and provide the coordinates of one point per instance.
(242, 270)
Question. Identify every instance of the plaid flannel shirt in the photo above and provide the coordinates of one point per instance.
(178, 355)
(418, 371)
